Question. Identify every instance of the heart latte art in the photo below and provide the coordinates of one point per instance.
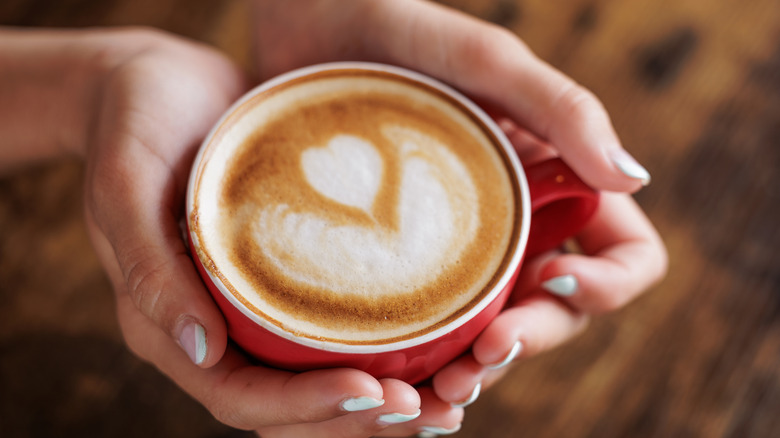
(355, 207)
(435, 219)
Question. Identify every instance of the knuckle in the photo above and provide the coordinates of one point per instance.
(504, 39)
(124, 44)
(145, 284)
(224, 406)
(229, 416)
(486, 52)
(577, 102)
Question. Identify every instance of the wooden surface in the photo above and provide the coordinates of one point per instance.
(694, 90)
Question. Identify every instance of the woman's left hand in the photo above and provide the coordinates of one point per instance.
(546, 114)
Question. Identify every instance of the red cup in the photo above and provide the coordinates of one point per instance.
(560, 205)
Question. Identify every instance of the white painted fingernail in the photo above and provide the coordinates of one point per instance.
(564, 285)
(361, 404)
(516, 349)
(629, 166)
(193, 340)
(471, 399)
(433, 432)
(396, 418)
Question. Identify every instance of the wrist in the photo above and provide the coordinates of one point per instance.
(50, 88)
(45, 85)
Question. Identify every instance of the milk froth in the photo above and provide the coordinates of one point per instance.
(355, 207)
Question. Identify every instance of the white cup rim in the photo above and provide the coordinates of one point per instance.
(360, 348)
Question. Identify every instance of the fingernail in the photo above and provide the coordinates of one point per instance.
(564, 285)
(396, 418)
(361, 404)
(433, 432)
(629, 166)
(471, 399)
(509, 357)
(193, 340)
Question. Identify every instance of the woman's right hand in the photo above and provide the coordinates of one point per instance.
(159, 95)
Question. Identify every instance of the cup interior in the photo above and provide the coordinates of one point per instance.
(222, 133)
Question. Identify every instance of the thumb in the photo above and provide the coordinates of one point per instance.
(136, 182)
(493, 65)
(139, 242)
(154, 110)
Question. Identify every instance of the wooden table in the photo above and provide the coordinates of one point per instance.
(694, 90)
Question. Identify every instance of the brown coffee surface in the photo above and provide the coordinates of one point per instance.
(363, 215)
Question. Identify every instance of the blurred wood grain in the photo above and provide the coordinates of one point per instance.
(693, 87)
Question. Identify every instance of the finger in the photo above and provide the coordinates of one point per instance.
(402, 405)
(537, 324)
(255, 397)
(534, 325)
(112, 268)
(438, 418)
(137, 172)
(492, 64)
(250, 397)
(460, 382)
(623, 257)
(156, 270)
(530, 149)
(494, 376)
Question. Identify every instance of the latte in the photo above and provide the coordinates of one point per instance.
(355, 206)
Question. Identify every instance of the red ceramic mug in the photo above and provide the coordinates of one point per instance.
(559, 202)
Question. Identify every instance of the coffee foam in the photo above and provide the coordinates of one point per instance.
(354, 208)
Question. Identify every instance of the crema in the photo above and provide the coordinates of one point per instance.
(355, 206)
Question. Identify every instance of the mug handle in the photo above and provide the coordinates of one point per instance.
(561, 204)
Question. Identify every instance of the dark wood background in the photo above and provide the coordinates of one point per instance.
(694, 90)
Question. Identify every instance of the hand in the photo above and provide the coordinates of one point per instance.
(158, 97)
(544, 113)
